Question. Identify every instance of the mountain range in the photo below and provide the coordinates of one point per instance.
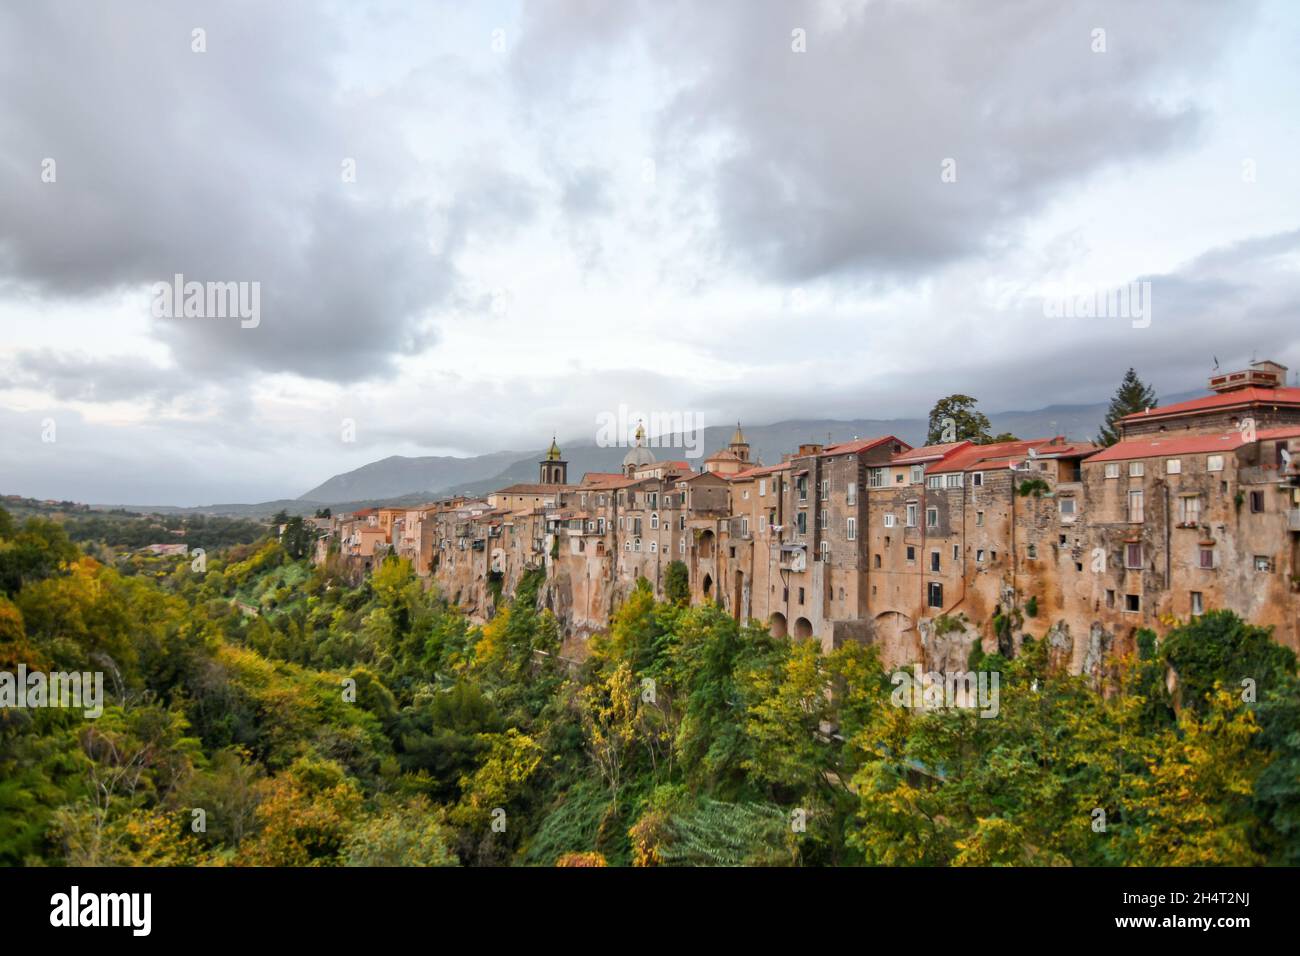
(403, 480)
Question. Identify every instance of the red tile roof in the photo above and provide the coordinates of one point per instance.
(1173, 445)
(533, 489)
(1241, 397)
(995, 455)
(1169, 445)
(860, 445)
(928, 453)
(758, 471)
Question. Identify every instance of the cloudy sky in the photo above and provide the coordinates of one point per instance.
(473, 224)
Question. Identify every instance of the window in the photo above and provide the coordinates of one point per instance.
(1214, 463)
(1198, 604)
(977, 480)
(979, 519)
(1133, 555)
(802, 522)
(681, 545)
(952, 481)
(744, 527)
(802, 485)
(1174, 466)
(934, 481)
(654, 521)
(1256, 502)
(877, 561)
(876, 478)
(911, 515)
(762, 487)
(826, 550)
(1207, 559)
(1135, 509)
(1189, 510)
(762, 524)
(636, 544)
(1067, 506)
(851, 529)
(654, 547)
(934, 561)
(911, 553)
(1033, 551)
(681, 522)
(1110, 597)
(889, 521)
(979, 556)
(826, 490)
(1112, 469)
(801, 595)
(918, 472)
(955, 553)
(1263, 563)
(935, 594)
(932, 517)
(851, 493)
(1132, 602)
(1136, 469)
(627, 545)
(744, 495)
(824, 518)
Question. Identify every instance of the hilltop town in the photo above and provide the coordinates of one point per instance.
(921, 552)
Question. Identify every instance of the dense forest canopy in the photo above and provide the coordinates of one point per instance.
(261, 711)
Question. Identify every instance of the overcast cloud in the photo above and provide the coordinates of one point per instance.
(738, 209)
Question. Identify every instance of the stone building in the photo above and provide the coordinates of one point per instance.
(920, 551)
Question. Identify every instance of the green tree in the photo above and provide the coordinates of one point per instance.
(1131, 397)
(956, 418)
(677, 583)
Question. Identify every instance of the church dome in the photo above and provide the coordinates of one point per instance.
(639, 454)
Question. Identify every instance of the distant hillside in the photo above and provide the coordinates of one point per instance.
(396, 475)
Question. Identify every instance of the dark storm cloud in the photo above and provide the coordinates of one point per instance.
(827, 162)
(225, 165)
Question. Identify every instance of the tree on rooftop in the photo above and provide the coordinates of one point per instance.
(1131, 397)
(956, 418)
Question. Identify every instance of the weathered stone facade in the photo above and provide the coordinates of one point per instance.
(921, 552)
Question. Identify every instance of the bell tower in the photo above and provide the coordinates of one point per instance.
(554, 469)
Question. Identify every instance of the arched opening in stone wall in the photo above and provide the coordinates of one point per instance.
(705, 550)
(777, 623)
(708, 587)
(802, 627)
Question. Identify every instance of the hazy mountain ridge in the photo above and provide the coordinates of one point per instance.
(401, 480)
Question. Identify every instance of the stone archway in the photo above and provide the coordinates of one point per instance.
(708, 587)
(803, 628)
(777, 623)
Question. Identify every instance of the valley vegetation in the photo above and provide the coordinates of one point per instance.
(315, 722)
